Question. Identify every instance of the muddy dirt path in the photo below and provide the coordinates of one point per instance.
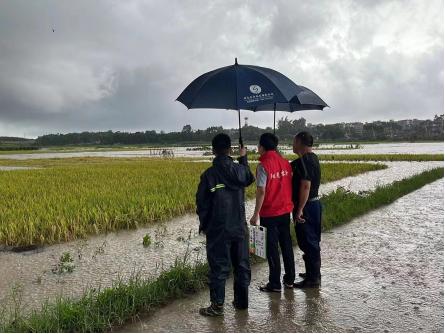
(381, 272)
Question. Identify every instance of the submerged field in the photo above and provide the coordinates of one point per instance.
(105, 309)
(67, 199)
(381, 157)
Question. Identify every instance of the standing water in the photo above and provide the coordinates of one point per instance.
(381, 272)
(383, 148)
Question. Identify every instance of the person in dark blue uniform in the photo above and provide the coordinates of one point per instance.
(307, 208)
(220, 207)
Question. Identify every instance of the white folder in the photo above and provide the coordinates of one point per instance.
(258, 240)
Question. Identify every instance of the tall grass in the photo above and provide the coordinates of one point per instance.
(73, 198)
(102, 310)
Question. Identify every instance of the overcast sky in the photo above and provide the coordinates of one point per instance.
(121, 64)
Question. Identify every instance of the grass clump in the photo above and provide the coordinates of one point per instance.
(146, 240)
(65, 264)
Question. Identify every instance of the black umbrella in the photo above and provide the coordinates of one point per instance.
(248, 87)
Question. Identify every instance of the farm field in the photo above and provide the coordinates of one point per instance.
(107, 309)
(67, 199)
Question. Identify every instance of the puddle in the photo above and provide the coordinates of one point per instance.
(381, 272)
(101, 259)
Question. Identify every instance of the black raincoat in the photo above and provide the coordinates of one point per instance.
(222, 217)
(220, 197)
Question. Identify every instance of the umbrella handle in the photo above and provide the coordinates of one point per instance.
(239, 129)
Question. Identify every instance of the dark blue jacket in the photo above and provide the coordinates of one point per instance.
(220, 197)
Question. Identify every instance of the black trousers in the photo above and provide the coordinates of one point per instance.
(308, 238)
(278, 233)
(223, 255)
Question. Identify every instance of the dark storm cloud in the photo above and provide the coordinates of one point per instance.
(121, 64)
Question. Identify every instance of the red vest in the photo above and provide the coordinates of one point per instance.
(278, 197)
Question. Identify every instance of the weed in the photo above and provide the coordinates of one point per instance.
(146, 240)
(65, 264)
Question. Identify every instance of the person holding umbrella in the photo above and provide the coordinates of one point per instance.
(254, 88)
(222, 218)
(273, 207)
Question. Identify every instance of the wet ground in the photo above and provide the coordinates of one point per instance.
(101, 259)
(381, 272)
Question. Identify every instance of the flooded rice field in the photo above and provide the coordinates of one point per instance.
(39, 274)
(396, 171)
(383, 272)
(6, 168)
(382, 148)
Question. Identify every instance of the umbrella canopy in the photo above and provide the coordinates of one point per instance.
(248, 87)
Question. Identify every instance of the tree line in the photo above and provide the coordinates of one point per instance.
(407, 130)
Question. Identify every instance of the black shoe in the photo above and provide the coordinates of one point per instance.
(288, 285)
(302, 275)
(268, 288)
(213, 310)
(239, 307)
(308, 284)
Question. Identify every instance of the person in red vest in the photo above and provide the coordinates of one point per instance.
(273, 207)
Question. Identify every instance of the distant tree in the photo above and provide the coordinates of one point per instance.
(333, 132)
(187, 128)
(287, 129)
